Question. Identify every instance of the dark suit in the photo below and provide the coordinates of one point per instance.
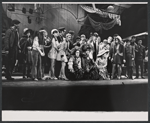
(140, 56)
(10, 45)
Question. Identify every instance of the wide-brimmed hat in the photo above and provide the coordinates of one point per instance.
(26, 30)
(16, 22)
(68, 34)
(53, 31)
(101, 52)
(118, 37)
(95, 34)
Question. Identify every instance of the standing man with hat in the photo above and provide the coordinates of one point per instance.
(139, 59)
(11, 48)
(129, 57)
(25, 45)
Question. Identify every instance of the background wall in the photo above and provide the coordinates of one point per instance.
(56, 15)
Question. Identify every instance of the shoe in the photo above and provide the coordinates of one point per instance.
(55, 78)
(35, 79)
(12, 79)
(64, 78)
(118, 78)
(136, 78)
(24, 77)
(132, 78)
(143, 77)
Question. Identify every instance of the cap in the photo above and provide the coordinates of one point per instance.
(61, 29)
(71, 32)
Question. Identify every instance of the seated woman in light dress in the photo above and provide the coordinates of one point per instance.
(101, 63)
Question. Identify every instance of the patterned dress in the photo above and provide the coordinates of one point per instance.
(102, 66)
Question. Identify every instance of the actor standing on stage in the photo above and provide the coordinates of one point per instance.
(11, 48)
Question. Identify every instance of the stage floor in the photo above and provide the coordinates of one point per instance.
(58, 95)
(19, 82)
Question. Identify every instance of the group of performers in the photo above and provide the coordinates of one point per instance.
(71, 58)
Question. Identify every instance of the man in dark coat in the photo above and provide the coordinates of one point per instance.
(139, 58)
(129, 57)
(11, 48)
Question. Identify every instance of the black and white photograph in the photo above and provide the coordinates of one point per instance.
(74, 61)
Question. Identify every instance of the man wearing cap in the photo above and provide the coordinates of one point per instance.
(25, 45)
(72, 35)
(140, 58)
(69, 45)
(11, 48)
(62, 32)
(129, 57)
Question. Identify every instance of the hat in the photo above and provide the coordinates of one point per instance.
(71, 32)
(68, 34)
(26, 30)
(75, 49)
(78, 38)
(83, 36)
(105, 40)
(118, 37)
(16, 22)
(54, 30)
(95, 34)
(101, 52)
(61, 29)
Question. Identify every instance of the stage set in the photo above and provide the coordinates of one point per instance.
(104, 20)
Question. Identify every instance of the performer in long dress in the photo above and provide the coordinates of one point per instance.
(101, 63)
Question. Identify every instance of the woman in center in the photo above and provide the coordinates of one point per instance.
(91, 71)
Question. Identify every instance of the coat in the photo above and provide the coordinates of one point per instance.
(129, 54)
(140, 52)
(10, 40)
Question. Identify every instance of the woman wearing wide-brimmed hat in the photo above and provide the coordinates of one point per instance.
(25, 45)
(101, 63)
(75, 66)
(117, 56)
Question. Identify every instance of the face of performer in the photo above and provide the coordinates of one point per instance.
(62, 33)
(28, 34)
(94, 38)
(69, 38)
(77, 53)
(88, 52)
(116, 40)
(140, 42)
(82, 38)
(133, 40)
(56, 34)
